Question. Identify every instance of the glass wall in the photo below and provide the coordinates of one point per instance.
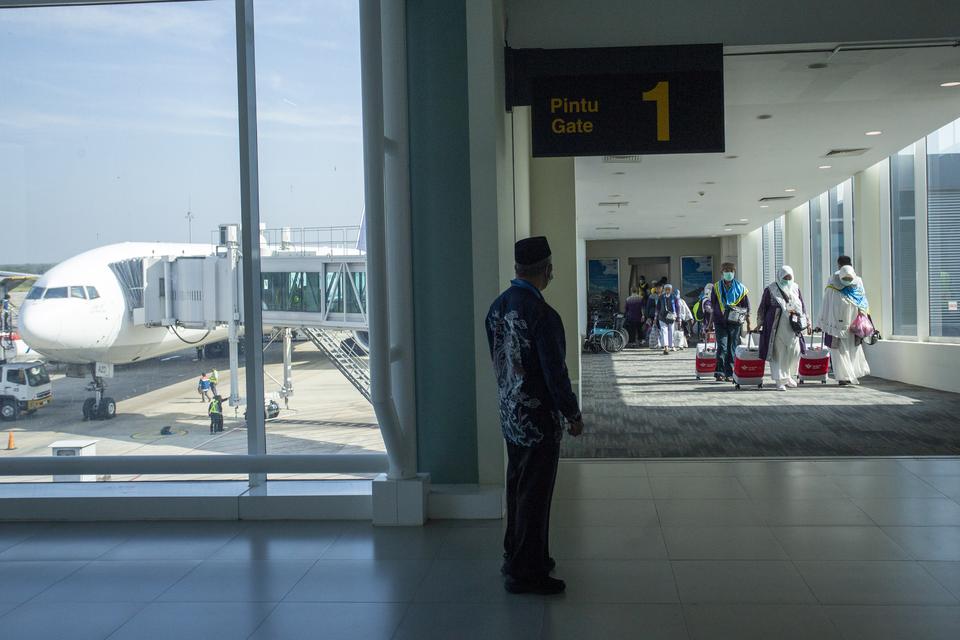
(816, 257)
(943, 230)
(840, 205)
(119, 138)
(903, 234)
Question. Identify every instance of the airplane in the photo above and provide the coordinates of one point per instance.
(79, 313)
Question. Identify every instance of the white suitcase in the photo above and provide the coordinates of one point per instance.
(748, 368)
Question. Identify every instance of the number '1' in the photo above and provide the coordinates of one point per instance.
(661, 95)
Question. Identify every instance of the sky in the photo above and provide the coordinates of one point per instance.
(117, 120)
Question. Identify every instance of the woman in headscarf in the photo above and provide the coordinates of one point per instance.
(684, 321)
(782, 318)
(843, 300)
(668, 312)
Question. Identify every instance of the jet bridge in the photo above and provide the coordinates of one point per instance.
(317, 290)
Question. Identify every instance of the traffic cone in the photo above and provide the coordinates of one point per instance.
(11, 445)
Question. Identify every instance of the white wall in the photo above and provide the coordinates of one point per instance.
(925, 364)
(750, 267)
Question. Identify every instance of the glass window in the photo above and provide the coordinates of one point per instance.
(15, 376)
(778, 243)
(78, 292)
(93, 294)
(37, 376)
(943, 229)
(312, 295)
(357, 298)
(767, 252)
(838, 199)
(816, 257)
(35, 293)
(334, 294)
(903, 233)
(55, 292)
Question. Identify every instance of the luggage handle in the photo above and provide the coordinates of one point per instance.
(823, 339)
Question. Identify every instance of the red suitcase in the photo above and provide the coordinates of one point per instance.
(815, 363)
(706, 358)
(748, 368)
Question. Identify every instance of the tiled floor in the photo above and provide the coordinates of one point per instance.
(800, 549)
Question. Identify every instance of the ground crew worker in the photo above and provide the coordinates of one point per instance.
(214, 379)
(215, 410)
(527, 346)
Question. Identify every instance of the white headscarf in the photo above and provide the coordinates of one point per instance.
(788, 271)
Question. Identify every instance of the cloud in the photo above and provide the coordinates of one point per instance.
(189, 22)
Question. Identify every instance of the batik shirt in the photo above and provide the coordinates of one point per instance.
(529, 358)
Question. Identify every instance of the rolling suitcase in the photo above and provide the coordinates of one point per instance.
(815, 363)
(707, 358)
(748, 368)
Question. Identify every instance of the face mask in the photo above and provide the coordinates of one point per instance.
(728, 276)
(846, 282)
(786, 283)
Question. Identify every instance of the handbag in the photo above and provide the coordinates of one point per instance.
(735, 315)
(862, 326)
(798, 323)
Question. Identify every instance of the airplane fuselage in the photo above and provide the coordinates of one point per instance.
(77, 312)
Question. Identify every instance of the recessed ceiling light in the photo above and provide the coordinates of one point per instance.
(615, 195)
(693, 201)
(790, 190)
(825, 166)
(744, 219)
(950, 84)
(764, 116)
(728, 229)
(764, 206)
(873, 133)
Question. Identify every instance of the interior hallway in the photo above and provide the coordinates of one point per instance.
(643, 404)
(792, 550)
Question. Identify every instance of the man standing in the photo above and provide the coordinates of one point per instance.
(528, 349)
(731, 308)
(215, 410)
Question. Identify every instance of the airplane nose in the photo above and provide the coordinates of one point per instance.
(39, 330)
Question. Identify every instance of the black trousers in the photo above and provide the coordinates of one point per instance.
(634, 330)
(531, 476)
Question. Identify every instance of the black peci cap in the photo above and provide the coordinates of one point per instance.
(530, 251)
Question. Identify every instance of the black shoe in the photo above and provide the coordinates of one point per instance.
(551, 565)
(545, 586)
(718, 378)
(728, 379)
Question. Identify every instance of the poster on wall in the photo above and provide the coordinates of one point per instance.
(696, 272)
(603, 290)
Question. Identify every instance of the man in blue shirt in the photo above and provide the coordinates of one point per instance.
(731, 309)
(528, 349)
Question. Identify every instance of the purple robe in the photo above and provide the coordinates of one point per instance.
(767, 315)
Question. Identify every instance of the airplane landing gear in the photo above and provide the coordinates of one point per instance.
(99, 407)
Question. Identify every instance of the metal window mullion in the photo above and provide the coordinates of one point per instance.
(250, 233)
(807, 271)
(849, 241)
(923, 265)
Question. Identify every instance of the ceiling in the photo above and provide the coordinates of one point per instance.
(896, 91)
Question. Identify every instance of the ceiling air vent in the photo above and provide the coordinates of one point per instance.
(775, 198)
(621, 159)
(614, 203)
(846, 153)
(735, 224)
(608, 228)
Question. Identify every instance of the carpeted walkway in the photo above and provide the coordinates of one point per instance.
(642, 404)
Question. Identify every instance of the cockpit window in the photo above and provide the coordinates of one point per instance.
(55, 292)
(35, 293)
(92, 293)
(78, 292)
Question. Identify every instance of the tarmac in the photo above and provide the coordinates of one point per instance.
(325, 415)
